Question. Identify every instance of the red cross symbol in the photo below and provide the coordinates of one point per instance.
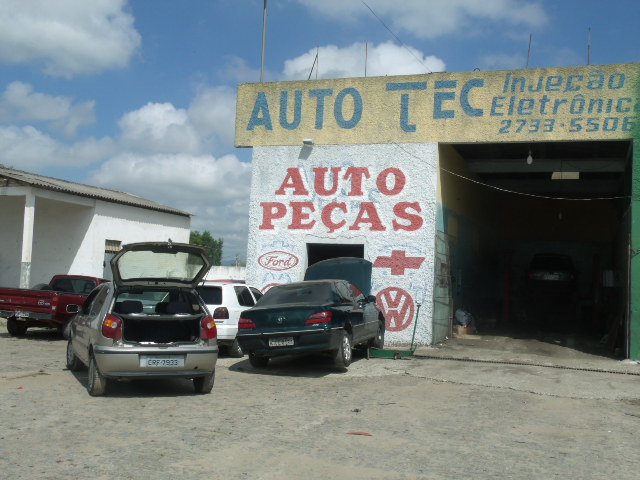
(398, 262)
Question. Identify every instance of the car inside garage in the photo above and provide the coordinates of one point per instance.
(539, 238)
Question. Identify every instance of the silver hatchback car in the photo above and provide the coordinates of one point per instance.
(149, 322)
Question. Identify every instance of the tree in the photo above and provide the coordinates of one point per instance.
(212, 246)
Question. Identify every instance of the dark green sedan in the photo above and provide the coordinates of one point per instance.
(316, 316)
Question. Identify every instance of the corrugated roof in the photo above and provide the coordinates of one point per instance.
(89, 191)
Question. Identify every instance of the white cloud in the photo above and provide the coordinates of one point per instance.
(502, 61)
(215, 191)
(236, 70)
(69, 37)
(384, 59)
(27, 148)
(213, 113)
(433, 18)
(159, 127)
(19, 103)
(207, 126)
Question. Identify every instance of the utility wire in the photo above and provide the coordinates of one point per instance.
(513, 192)
(402, 44)
(543, 197)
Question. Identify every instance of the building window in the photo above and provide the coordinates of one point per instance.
(112, 246)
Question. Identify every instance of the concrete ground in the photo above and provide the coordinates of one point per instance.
(475, 407)
(550, 364)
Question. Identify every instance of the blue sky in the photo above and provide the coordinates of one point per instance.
(139, 95)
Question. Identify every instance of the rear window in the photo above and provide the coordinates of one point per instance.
(210, 295)
(166, 265)
(311, 294)
(73, 285)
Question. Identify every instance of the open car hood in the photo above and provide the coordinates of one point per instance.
(163, 264)
(354, 270)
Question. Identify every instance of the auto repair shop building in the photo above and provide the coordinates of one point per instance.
(449, 183)
(52, 226)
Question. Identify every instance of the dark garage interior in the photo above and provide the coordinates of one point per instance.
(563, 203)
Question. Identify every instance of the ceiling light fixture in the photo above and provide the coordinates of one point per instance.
(307, 141)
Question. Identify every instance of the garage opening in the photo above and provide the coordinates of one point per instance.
(540, 239)
(316, 252)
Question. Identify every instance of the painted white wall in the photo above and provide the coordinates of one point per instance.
(129, 225)
(278, 255)
(225, 272)
(70, 233)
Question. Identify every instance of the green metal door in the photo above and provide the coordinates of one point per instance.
(442, 302)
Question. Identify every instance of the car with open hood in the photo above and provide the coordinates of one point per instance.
(149, 322)
(326, 313)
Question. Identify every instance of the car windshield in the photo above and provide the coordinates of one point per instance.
(311, 294)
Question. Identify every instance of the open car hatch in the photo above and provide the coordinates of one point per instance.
(160, 263)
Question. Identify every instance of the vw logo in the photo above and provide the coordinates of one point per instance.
(280, 320)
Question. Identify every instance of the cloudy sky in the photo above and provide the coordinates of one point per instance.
(139, 95)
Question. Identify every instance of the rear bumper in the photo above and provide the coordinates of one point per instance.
(303, 342)
(226, 333)
(120, 362)
(26, 315)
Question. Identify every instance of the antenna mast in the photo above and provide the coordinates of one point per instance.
(264, 36)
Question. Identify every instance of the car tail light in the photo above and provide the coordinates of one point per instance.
(208, 328)
(221, 313)
(54, 303)
(246, 323)
(320, 317)
(112, 326)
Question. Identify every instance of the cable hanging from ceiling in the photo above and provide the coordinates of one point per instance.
(513, 192)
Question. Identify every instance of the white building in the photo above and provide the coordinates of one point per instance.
(52, 226)
(449, 184)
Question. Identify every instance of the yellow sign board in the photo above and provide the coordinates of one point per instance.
(568, 103)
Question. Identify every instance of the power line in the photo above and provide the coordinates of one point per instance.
(513, 192)
(402, 44)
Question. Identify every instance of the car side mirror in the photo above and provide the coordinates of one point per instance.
(371, 299)
(73, 308)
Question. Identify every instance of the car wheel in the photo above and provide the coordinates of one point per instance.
(204, 384)
(235, 350)
(96, 383)
(378, 340)
(342, 356)
(16, 328)
(258, 362)
(73, 363)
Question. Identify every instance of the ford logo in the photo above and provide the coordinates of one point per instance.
(280, 320)
(278, 260)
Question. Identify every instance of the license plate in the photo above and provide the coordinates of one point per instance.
(551, 276)
(281, 342)
(162, 360)
(22, 314)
